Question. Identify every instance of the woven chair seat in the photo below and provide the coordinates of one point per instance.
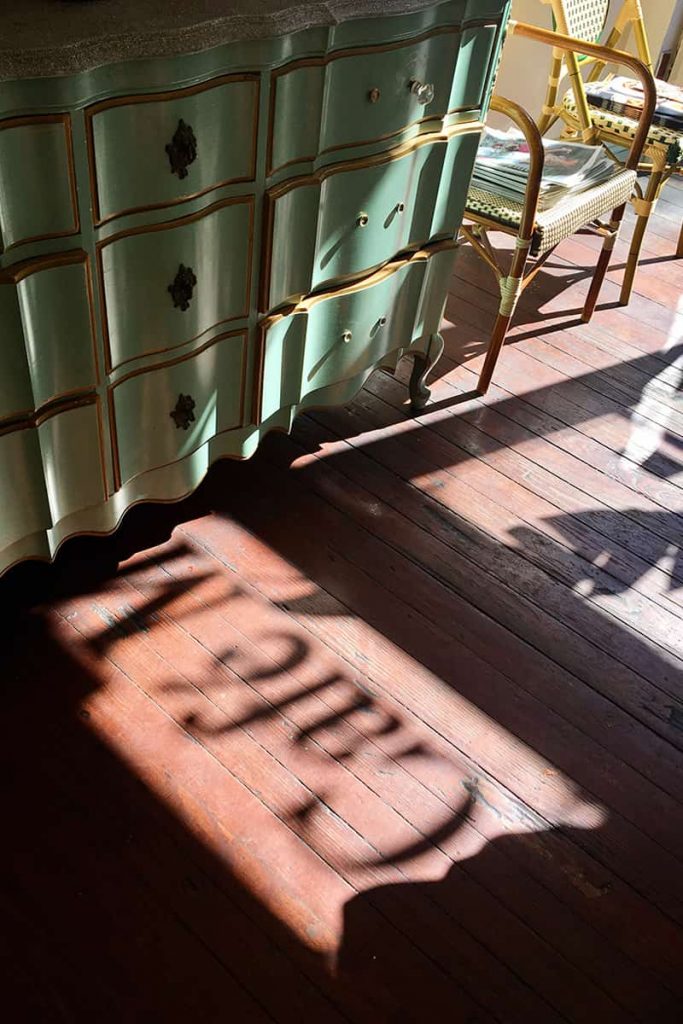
(610, 122)
(560, 221)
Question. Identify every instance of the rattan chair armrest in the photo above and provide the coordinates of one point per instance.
(529, 129)
(609, 56)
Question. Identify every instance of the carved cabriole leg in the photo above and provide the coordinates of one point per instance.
(422, 365)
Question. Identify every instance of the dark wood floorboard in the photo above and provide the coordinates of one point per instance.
(385, 725)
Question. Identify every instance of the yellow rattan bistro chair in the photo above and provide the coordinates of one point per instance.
(607, 123)
(536, 232)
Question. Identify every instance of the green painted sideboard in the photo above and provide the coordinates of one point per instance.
(199, 245)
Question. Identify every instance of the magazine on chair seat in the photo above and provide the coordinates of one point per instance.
(624, 96)
(502, 166)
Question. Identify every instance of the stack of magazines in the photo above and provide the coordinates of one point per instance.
(625, 97)
(502, 166)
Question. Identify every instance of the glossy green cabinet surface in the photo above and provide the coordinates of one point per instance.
(331, 338)
(195, 248)
(129, 139)
(37, 185)
(151, 402)
(21, 474)
(357, 97)
(16, 394)
(71, 453)
(138, 269)
(55, 309)
(353, 219)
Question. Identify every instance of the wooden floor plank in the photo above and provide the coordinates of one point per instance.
(358, 648)
(557, 475)
(216, 722)
(269, 780)
(537, 498)
(433, 657)
(618, 482)
(337, 705)
(399, 744)
(446, 549)
(472, 508)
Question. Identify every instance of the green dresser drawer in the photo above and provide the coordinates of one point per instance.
(49, 469)
(169, 283)
(163, 413)
(23, 498)
(380, 92)
(71, 447)
(156, 149)
(353, 217)
(54, 299)
(334, 337)
(37, 179)
(16, 394)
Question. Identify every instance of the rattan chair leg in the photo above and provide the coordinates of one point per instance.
(498, 336)
(596, 282)
(632, 260)
(645, 206)
(679, 247)
(602, 264)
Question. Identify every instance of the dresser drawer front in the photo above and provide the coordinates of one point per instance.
(334, 338)
(46, 333)
(49, 470)
(37, 182)
(361, 97)
(355, 217)
(55, 299)
(150, 151)
(474, 69)
(71, 448)
(16, 394)
(162, 414)
(152, 305)
(23, 498)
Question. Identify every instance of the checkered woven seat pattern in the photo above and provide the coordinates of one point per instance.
(562, 220)
(625, 127)
(586, 18)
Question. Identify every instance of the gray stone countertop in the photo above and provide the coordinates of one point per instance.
(42, 38)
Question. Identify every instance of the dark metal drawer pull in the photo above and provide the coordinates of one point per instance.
(182, 149)
(183, 414)
(182, 287)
